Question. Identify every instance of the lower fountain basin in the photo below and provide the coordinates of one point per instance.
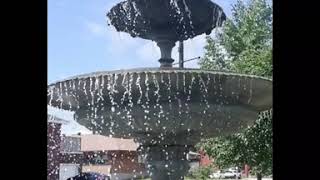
(163, 106)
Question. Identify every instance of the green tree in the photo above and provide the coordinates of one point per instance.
(252, 147)
(225, 150)
(215, 57)
(258, 146)
(243, 45)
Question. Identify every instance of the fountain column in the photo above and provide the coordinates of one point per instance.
(166, 49)
(166, 162)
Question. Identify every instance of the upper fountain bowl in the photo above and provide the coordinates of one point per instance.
(172, 20)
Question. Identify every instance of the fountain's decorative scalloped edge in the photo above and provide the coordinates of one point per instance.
(156, 70)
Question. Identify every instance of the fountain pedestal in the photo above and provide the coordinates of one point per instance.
(166, 49)
(167, 162)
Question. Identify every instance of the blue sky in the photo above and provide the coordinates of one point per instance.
(79, 40)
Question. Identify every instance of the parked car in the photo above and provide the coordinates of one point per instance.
(215, 175)
(90, 176)
(225, 174)
(237, 173)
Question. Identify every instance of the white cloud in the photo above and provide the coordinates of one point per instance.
(144, 50)
(121, 42)
(192, 48)
(192, 64)
(96, 29)
(117, 42)
(149, 51)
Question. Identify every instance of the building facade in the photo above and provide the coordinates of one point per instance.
(114, 156)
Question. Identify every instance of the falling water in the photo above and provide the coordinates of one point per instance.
(125, 85)
(137, 12)
(90, 90)
(139, 87)
(100, 86)
(189, 16)
(130, 104)
(166, 100)
(174, 3)
(72, 91)
(184, 83)
(250, 91)
(204, 91)
(75, 95)
(205, 88)
(111, 95)
(50, 93)
(190, 87)
(218, 21)
(156, 92)
(147, 89)
(186, 105)
(60, 95)
(67, 94)
(169, 91)
(130, 90)
(189, 99)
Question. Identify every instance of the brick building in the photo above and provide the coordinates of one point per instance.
(118, 156)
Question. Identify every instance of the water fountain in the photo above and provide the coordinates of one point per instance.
(167, 110)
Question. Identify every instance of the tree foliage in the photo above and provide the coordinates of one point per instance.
(243, 45)
(258, 145)
(225, 150)
(253, 146)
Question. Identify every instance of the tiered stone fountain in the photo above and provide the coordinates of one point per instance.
(167, 110)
